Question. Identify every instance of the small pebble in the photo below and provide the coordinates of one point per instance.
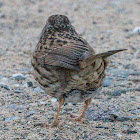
(17, 107)
(2, 85)
(119, 135)
(136, 30)
(137, 54)
(130, 66)
(11, 94)
(129, 131)
(85, 136)
(126, 30)
(1, 76)
(5, 128)
(30, 84)
(1, 4)
(53, 99)
(16, 85)
(19, 76)
(135, 112)
(38, 89)
(117, 117)
(32, 112)
(133, 89)
(40, 10)
(135, 73)
(123, 119)
(114, 116)
(4, 80)
(6, 87)
(39, 124)
(11, 118)
(117, 93)
(94, 22)
(3, 15)
(25, 70)
(18, 91)
(107, 82)
(101, 127)
(42, 103)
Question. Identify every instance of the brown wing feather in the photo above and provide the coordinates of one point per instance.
(65, 55)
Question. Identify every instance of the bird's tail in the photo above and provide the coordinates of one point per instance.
(92, 58)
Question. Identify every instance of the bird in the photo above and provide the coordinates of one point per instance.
(66, 67)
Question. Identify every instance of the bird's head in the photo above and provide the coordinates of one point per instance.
(59, 23)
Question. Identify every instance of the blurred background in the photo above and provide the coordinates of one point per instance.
(106, 25)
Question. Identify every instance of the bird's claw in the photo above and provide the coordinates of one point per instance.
(77, 118)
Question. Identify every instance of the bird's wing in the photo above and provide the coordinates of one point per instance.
(66, 56)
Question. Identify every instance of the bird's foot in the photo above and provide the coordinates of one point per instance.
(73, 116)
(55, 124)
(78, 118)
(44, 125)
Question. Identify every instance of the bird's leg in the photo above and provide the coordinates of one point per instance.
(56, 122)
(87, 102)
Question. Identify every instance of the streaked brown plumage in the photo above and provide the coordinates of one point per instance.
(65, 65)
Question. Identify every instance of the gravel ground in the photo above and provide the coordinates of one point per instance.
(106, 25)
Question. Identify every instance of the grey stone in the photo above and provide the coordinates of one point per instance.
(25, 70)
(1, 76)
(133, 89)
(123, 91)
(38, 89)
(3, 15)
(117, 93)
(19, 76)
(30, 84)
(135, 111)
(135, 73)
(99, 126)
(39, 124)
(123, 119)
(85, 136)
(1, 4)
(107, 82)
(11, 94)
(11, 118)
(136, 30)
(42, 103)
(18, 91)
(129, 131)
(130, 66)
(94, 22)
(134, 118)
(114, 116)
(32, 112)
(17, 107)
(6, 87)
(3, 85)
(137, 54)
